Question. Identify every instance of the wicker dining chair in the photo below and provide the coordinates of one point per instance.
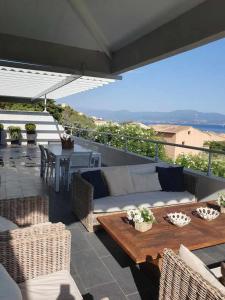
(179, 282)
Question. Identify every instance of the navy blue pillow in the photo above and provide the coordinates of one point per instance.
(97, 180)
(171, 179)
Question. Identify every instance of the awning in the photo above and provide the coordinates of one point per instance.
(34, 84)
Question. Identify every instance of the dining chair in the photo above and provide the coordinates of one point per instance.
(76, 162)
(44, 161)
(50, 165)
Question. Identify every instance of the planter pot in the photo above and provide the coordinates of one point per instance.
(15, 142)
(222, 209)
(31, 138)
(142, 227)
(68, 144)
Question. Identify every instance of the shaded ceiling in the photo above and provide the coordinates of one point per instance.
(105, 36)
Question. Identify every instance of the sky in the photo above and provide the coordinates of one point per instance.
(191, 80)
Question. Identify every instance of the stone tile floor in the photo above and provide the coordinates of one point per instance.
(100, 268)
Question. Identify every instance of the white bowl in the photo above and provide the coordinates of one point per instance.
(207, 213)
(179, 219)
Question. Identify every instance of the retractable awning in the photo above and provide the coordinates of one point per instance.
(35, 84)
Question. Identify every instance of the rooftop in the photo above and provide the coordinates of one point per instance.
(99, 266)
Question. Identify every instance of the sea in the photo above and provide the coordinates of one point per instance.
(203, 127)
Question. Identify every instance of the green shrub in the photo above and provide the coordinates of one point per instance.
(1, 127)
(30, 128)
(15, 132)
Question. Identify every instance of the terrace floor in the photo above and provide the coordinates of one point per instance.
(100, 268)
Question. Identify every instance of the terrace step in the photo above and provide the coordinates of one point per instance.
(47, 127)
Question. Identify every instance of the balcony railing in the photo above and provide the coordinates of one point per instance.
(89, 134)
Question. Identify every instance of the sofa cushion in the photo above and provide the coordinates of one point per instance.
(97, 180)
(171, 179)
(9, 290)
(58, 285)
(119, 180)
(145, 168)
(145, 182)
(6, 224)
(133, 201)
(198, 266)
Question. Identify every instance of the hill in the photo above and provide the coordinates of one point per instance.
(177, 116)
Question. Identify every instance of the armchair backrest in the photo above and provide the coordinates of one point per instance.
(41, 252)
(179, 282)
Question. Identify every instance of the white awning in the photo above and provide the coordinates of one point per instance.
(33, 84)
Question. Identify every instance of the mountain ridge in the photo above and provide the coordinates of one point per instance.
(176, 116)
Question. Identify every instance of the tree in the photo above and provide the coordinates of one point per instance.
(131, 137)
(200, 162)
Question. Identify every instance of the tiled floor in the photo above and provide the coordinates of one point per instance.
(100, 268)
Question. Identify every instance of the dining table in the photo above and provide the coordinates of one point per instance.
(62, 154)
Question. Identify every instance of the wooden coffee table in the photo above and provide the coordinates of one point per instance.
(148, 246)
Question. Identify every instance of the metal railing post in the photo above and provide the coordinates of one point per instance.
(156, 152)
(209, 171)
(125, 148)
(105, 139)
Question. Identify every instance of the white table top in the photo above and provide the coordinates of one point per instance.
(56, 150)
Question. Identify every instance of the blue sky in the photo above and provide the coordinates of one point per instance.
(191, 80)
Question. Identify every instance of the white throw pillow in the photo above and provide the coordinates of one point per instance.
(6, 224)
(198, 266)
(9, 290)
(119, 180)
(145, 182)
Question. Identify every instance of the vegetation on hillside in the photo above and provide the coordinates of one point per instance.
(200, 162)
(215, 145)
(115, 135)
(64, 115)
(73, 118)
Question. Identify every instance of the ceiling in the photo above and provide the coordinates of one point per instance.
(106, 37)
(66, 22)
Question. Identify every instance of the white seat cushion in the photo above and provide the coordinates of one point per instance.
(58, 285)
(198, 266)
(9, 290)
(149, 199)
(6, 224)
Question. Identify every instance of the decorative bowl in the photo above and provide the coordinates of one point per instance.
(207, 213)
(179, 219)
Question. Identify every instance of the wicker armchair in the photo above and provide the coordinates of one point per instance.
(179, 282)
(34, 251)
(25, 211)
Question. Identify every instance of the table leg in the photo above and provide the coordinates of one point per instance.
(57, 173)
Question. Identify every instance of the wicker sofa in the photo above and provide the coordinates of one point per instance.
(88, 209)
(179, 282)
(37, 258)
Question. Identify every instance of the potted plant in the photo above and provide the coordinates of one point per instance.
(1, 131)
(15, 134)
(67, 141)
(142, 218)
(31, 133)
(221, 202)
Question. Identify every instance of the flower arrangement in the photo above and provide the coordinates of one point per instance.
(67, 141)
(143, 218)
(221, 201)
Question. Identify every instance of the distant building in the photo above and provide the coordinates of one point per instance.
(184, 135)
(63, 105)
(143, 126)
